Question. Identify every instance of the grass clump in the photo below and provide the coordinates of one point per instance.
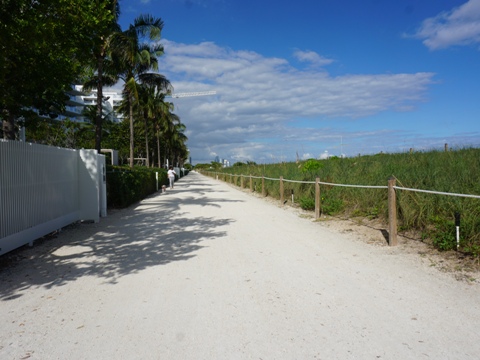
(307, 203)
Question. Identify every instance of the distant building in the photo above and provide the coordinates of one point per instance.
(111, 99)
(73, 108)
(79, 99)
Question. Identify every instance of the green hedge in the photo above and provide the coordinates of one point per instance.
(126, 186)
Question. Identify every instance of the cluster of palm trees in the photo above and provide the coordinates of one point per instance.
(131, 56)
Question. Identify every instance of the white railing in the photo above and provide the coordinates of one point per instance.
(44, 188)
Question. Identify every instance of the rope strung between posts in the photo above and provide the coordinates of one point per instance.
(320, 182)
(297, 181)
(437, 192)
(356, 186)
(362, 186)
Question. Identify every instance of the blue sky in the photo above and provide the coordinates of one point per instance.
(311, 77)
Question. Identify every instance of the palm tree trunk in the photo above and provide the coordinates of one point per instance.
(158, 148)
(130, 104)
(8, 126)
(146, 138)
(98, 119)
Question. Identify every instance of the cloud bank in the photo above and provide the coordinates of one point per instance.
(460, 26)
(262, 103)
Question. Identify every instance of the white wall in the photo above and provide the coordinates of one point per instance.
(44, 188)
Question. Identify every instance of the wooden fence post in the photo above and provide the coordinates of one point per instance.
(281, 190)
(392, 213)
(263, 185)
(241, 181)
(251, 185)
(317, 198)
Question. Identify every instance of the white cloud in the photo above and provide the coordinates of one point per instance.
(312, 57)
(324, 155)
(258, 97)
(459, 26)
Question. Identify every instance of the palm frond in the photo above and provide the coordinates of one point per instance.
(147, 25)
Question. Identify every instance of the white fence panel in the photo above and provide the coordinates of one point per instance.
(40, 191)
(92, 185)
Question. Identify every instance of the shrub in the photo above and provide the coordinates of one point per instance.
(332, 206)
(126, 186)
(444, 234)
(311, 166)
(307, 203)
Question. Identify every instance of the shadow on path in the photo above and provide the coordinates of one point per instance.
(153, 232)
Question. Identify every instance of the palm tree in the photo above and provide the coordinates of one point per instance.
(136, 59)
(166, 130)
(150, 101)
(180, 151)
(144, 108)
(175, 141)
(104, 73)
(161, 121)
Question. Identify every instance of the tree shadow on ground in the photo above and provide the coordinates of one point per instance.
(151, 233)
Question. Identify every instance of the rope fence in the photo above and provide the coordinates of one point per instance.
(391, 188)
(437, 192)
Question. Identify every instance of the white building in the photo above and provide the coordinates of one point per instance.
(111, 100)
(73, 108)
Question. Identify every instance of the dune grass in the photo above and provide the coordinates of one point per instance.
(432, 215)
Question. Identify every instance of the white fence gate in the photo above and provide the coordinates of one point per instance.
(44, 188)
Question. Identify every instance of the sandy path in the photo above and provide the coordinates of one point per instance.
(209, 272)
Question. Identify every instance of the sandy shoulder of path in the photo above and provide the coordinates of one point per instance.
(458, 265)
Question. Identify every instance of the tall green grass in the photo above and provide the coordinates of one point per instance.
(430, 214)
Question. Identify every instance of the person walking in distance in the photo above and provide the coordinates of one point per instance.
(171, 176)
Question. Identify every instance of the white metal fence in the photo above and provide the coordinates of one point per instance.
(44, 188)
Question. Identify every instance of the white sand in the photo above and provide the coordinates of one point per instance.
(209, 272)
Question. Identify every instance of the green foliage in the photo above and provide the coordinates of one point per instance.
(203, 166)
(311, 166)
(66, 133)
(216, 165)
(117, 137)
(136, 51)
(452, 172)
(46, 46)
(444, 234)
(239, 163)
(126, 186)
(332, 206)
(307, 203)
(43, 49)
